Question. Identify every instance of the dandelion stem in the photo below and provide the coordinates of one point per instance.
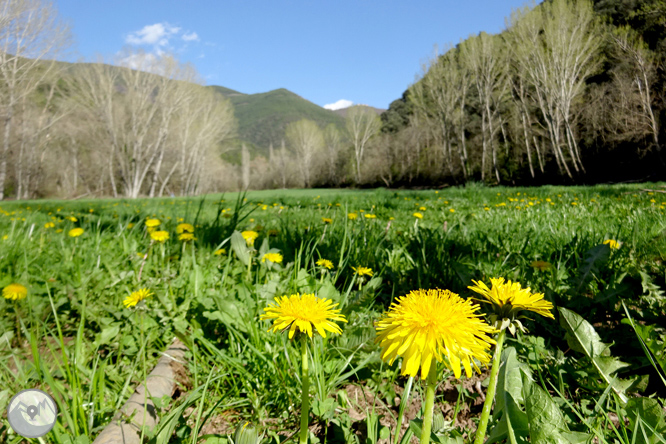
(490, 395)
(429, 404)
(305, 400)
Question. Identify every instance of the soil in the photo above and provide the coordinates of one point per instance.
(362, 400)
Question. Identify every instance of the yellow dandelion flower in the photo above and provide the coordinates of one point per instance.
(418, 215)
(327, 220)
(302, 312)
(15, 292)
(136, 297)
(510, 298)
(428, 324)
(422, 208)
(220, 252)
(152, 223)
(325, 263)
(49, 225)
(184, 228)
(370, 216)
(452, 210)
(352, 216)
(159, 236)
(276, 258)
(363, 271)
(186, 237)
(75, 232)
(130, 225)
(612, 243)
(250, 237)
(541, 265)
(72, 218)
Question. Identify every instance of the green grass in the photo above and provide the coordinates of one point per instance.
(73, 337)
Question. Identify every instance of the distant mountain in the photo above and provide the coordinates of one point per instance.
(263, 118)
(343, 111)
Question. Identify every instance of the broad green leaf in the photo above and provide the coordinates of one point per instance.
(108, 334)
(239, 246)
(593, 257)
(546, 421)
(513, 422)
(650, 413)
(582, 338)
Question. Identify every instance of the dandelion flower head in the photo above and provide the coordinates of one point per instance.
(184, 228)
(152, 223)
(14, 292)
(325, 263)
(363, 271)
(430, 324)
(75, 232)
(613, 244)
(327, 220)
(302, 312)
(186, 237)
(273, 257)
(509, 298)
(250, 237)
(49, 225)
(136, 297)
(352, 216)
(418, 215)
(159, 236)
(220, 252)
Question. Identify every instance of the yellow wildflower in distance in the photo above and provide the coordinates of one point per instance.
(418, 215)
(327, 220)
(220, 251)
(509, 298)
(72, 218)
(184, 228)
(152, 223)
(428, 324)
(159, 236)
(422, 208)
(302, 312)
(249, 237)
(15, 292)
(613, 244)
(186, 237)
(363, 271)
(370, 216)
(276, 258)
(352, 216)
(136, 297)
(325, 263)
(75, 232)
(49, 225)
(541, 265)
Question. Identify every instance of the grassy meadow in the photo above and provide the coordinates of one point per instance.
(594, 373)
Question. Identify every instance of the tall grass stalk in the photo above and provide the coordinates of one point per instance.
(305, 400)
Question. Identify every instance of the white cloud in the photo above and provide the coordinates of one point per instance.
(157, 34)
(190, 36)
(143, 62)
(342, 103)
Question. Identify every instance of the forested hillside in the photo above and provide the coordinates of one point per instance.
(570, 92)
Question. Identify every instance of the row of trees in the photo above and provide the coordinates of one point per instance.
(548, 99)
(138, 125)
(567, 93)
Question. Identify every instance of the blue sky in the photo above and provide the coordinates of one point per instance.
(362, 51)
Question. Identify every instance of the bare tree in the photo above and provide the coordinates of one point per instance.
(362, 124)
(485, 57)
(333, 143)
(556, 49)
(638, 98)
(307, 140)
(30, 33)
